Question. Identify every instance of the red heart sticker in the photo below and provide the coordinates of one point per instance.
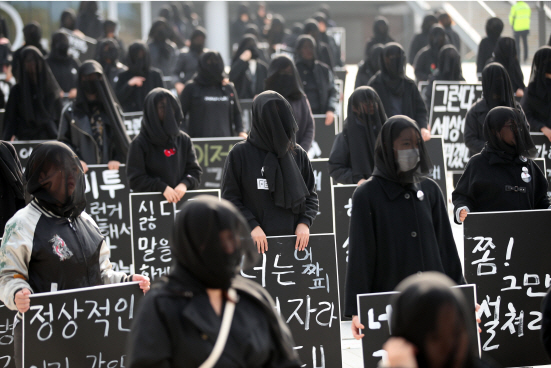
(170, 152)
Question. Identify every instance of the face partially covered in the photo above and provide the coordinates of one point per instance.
(59, 181)
(507, 133)
(161, 108)
(406, 150)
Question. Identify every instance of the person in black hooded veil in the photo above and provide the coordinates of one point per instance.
(276, 33)
(503, 176)
(380, 33)
(211, 102)
(537, 99)
(317, 79)
(448, 68)
(505, 53)
(92, 125)
(140, 78)
(163, 53)
(237, 29)
(421, 40)
(12, 186)
(426, 60)
(248, 71)
(283, 78)
(496, 91)
(187, 63)
(89, 21)
(34, 105)
(32, 34)
(398, 93)
(109, 31)
(291, 39)
(323, 52)
(53, 240)
(68, 19)
(108, 54)
(369, 66)
(203, 292)
(269, 177)
(494, 27)
(63, 66)
(352, 157)
(328, 39)
(385, 248)
(162, 157)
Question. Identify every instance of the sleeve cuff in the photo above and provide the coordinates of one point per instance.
(305, 220)
(458, 210)
(253, 223)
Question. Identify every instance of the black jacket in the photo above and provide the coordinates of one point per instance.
(112, 73)
(241, 185)
(152, 168)
(131, 98)
(485, 51)
(419, 41)
(214, 111)
(327, 90)
(425, 63)
(339, 165)
(246, 84)
(186, 66)
(393, 235)
(305, 121)
(491, 183)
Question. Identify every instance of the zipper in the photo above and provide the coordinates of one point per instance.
(73, 124)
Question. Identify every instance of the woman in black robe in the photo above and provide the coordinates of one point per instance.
(283, 78)
(163, 52)
(140, 78)
(63, 66)
(494, 27)
(505, 53)
(352, 157)
(399, 224)
(537, 99)
(89, 21)
(34, 105)
(270, 178)
(503, 176)
(248, 71)
(162, 157)
(369, 66)
(380, 33)
(180, 319)
(421, 39)
(107, 54)
(398, 93)
(448, 68)
(426, 60)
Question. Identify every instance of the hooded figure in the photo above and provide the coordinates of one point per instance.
(131, 91)
(496, 91)
(162, 51)
(238, 27)
(329, 40)
(187, 63)
(380, 257)
(270, 154)
(435, 318)
(317, 78)
(291, 39)
(426, 60)
(162, 156)
(352, 157)
(380, 33)
(63, 66)
(448, 68)
(505, 53)
(213, 107)
(92, 125)
(276, 33)
(537, 99)
(421, 39)
(32, 34)
(284, 79)
(68, 19)
(107, 54)
(34, 105)
(503, 176)
(248, 71)
(398, 93)
(494, 27)
(12, 187)
(446, 22)
(323, 52)
(210, 237)
(109, 31)
(89, 21)
(369, 66)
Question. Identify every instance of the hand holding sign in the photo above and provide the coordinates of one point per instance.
(303, 235)
(260, 240)
(171, 195)
(356, 326)
(144, 282)
(22, 300)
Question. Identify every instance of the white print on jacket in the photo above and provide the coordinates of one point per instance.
(60, 248)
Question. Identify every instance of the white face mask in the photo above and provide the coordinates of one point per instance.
(407, 159)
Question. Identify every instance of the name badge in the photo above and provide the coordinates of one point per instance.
(262, 184)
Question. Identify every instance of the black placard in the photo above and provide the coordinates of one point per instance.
(151, 219)
(507, 257)
(543, 145)
(449, 106)
(342, 206)
(211, 155)
(24, 150)
(374, 311)
(107, 203)
(435, 147)
(304, 287)
(323, 138)
(323, 223)
(80, 327)
(132, 123)
(82, 48)
(6, 337)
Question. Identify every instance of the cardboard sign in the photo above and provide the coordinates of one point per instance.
(324, 137)
(6, 337)
(82, 48)
(211, 155)
(435, 149)
(132, 123)
(543, 145)
(324, 220)
(24, 150)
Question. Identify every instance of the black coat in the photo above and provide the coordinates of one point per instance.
(425, 63)
(240, 185)
(65, 72)
(339, 165)
(131, 98)
(486, 184)
(327, 90)
(419, 41)
(186, 66)
(152, 168)
(159, 60)
(247, 85)
(394, 235)
(485, 51)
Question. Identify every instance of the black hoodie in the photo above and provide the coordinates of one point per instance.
(494, 27)
(426, 60)
(421, 39)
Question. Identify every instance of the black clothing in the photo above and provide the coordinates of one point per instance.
(448, 68)
(426, 60)
(368, 67)
(339, 166)
(505, 53)
(68, 19)
(323, 51)
(379, 255)
(380, 33)
(188, 62)
(536, 101)
(162, 155)
(246, 83)
(237, 30)
(421, 40)
(163, 52)
(108, 54)
(12, 189)
(494, 27)
(305, 122)
(453, 37)
(277, 32)
(34, 104)
(391, 85)
(63, 66)
(89, 21)
(32, 34)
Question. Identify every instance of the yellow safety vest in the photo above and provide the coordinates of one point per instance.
(519, 17)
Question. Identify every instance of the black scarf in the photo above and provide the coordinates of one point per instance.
(159, 34)
(195, 46)
(273, 130)
(392, 64)
(138, 60)
(11, 170)
(449, 64)
(366, 116)
(280, 81)
(537, 97)
(301, 41)
(210, 71)
(437, 39)
(496, 86)
(505, 53)
(108, 49)
(55, 178)
(161, 133)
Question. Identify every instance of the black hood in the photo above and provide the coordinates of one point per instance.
(138, 60)
(284, 79)
(161, 133)
(437, 37)
(494, 27)
(301, 41)
(68, 19)
(59, 47)
(496, 86)
(449, 64)
(108, 49)
(210, 71)
(248, 42)
(428, 22)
